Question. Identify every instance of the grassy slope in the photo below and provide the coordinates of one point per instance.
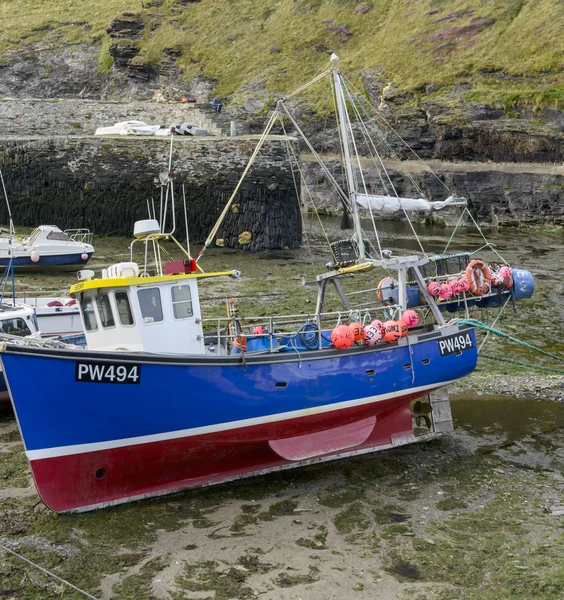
(414, 42)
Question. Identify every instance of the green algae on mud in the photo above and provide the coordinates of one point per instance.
(465, 513)
(477, 521)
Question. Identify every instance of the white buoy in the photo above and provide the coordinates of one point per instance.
(84, 256)
(34, 256)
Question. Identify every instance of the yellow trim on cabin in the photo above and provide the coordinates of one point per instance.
(93, 284)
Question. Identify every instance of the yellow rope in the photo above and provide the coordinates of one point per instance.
(217, 225)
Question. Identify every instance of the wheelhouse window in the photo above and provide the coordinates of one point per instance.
(150, 304)
(61, 236)
(124, 308)
(105, 311)
(181, 301)
(88, 314)
(15, 326)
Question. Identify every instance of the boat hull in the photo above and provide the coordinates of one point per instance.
(193, 422)
(46, 262)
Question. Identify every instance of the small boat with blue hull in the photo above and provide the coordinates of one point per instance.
(167, 396)
(47, 248)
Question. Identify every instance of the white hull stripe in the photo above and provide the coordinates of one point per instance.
(216, 428)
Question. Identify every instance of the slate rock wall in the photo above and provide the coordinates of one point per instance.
(105, 184)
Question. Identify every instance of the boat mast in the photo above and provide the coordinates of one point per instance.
(344, 123)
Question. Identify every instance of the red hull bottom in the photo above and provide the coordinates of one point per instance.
(90, 480)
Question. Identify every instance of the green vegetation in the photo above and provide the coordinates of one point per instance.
(507, 53)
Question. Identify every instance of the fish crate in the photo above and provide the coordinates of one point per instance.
(442, 266)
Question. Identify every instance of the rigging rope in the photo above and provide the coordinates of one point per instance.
(48, 572)
(376, 154)
(384, 120)
(521, 364)
(308, 193)
(481, 325)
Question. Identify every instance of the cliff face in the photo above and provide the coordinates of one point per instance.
(61, 90)
(106, 184)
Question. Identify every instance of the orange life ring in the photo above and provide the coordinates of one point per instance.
(387, 282)
(479, 276)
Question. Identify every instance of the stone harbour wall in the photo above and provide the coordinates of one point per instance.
(105, 184)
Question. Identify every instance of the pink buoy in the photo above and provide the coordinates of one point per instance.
(34, 256)
(507, 275)
(258, 330)
(445, 291)
(342, 337)
(372, 335)
(410, 318)
(455, 285)
(434, 288)
(379, 324)
(84, 256)
(464, 285)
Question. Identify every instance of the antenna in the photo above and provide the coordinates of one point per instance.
(12, 229)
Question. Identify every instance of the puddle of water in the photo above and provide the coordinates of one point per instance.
(511, 419)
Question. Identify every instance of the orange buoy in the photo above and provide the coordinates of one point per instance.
(479, 277)
(392, 331)
(342, 337)
(403, 328)
(358, 331)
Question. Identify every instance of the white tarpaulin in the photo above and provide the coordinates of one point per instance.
(392, 204)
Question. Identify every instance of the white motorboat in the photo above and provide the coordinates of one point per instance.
(47, 248)
(128, 128)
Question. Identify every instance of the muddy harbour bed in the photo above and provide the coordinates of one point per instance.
(471, 515)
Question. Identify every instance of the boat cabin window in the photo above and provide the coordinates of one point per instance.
(61, 236)
(105, 311)
(88, 314)
(15, 326)
(150, 304)
(124, 308)
(181, 301)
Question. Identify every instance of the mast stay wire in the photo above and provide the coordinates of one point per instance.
(387, 174)
(384, 120)
(363, 102)
(364, 187)
(308, 192)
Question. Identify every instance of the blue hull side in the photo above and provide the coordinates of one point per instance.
(68, 412)
(59, 261)
(196, 421)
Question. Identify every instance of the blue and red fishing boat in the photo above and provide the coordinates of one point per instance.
(165, 398)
